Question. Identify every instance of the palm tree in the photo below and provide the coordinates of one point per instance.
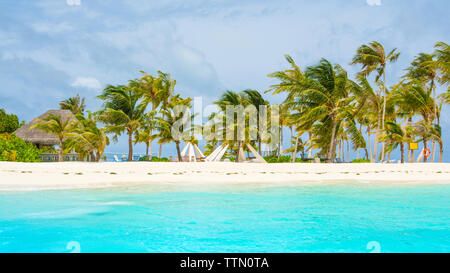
(151, 89)
(423, 69)
(445, 97)
(297, 145)
(291, 81)
(55, 125)
(416, 98)
(371, 102)
(373, 57)
(169, 119)
(123, 111)
(442, 62)
(325, 98)
(75, 104)
(229, 98)
(144, 133)
(436, 135)
(395, 135)
(167, 88)
(86, 138)
(428, 131)
(253, 97)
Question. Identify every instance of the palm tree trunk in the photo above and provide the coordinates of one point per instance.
(348, 152)
(294, 153)
(310, 144)
(339, 148)
(292, 134)
(160, 150)
(410, 152)
(332, 151)
(177, 144)
(375, 148)
(441, 151)
(425, 146)
(402, 151)
(238, 154)
(281, 143)
(259, 145)
(150, 151)
(433, 150)
(384, 111)
(146, 148)
(60, 151)
(130, 146)
(370, 144)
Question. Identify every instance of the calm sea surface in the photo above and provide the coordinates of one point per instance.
(169, 218)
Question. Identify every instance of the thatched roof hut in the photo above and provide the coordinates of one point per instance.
(39, 137)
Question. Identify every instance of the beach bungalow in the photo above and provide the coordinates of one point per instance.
(42, 139)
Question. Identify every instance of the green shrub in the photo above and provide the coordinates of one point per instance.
(8, 123)
(155, 159)
(361, 160)
(275, 159)
(283, 159)
(16, 149)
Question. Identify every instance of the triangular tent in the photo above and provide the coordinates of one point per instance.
(191, 152)
(218, 153)
(241, 155)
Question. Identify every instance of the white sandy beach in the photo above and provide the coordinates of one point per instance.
(26, 176)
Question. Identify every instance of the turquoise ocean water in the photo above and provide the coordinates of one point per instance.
(169, 218)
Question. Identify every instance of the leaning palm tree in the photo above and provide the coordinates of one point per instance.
(291, 82)
(151, 89)
(124, 111)
(253, 97)
(442, 62)
(86, 138)
(445, 97)
(75, 104)
(326, 99)
(55, 125)
(170, 119)
(414, 97)
(167, 88)
(436, 135)
(373, 57)
(425, 70)
(372, 104)
(396, 135)
(145, 133)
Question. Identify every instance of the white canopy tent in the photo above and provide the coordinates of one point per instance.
(191, 152)
(218, 153)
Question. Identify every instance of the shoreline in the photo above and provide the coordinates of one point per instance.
(72, 175)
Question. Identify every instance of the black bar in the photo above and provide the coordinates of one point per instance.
(257, 262)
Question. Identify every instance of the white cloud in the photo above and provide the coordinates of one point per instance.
(374, 2)
(73, 2)
(86, 82)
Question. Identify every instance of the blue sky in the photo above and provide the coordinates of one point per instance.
(54, 49)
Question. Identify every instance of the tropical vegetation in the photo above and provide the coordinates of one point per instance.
(327, 112)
